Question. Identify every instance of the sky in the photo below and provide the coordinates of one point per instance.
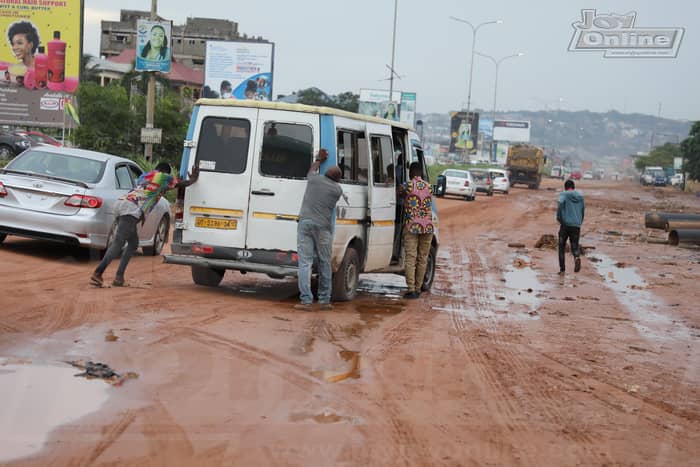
(338, 45)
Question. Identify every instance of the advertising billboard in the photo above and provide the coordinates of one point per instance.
(152, 45)
(376, 103)
(239, 70)
(40, 62)
(511, 130)
(407, 114)
(463, 132)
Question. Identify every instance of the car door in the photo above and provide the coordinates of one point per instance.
(284, 150)
(381, 197)
(216, 207)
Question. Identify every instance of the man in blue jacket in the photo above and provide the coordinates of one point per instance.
(570, 211)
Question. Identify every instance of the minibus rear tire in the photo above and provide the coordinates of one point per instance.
(205, 276)
(347, 277)
(430, 271)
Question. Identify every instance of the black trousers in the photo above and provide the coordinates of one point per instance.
(571, 233)
(127, 234)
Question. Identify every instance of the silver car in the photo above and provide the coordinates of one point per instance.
(67, 195)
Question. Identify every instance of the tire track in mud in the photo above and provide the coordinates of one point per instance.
(110, 434)
(496, 367)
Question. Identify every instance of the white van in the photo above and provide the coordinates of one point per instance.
(254, 157)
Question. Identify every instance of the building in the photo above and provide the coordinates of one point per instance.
(188, 41)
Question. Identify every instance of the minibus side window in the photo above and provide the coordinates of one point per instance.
(362, 160)
(346, 156)
(287, 150)
(382, 160)
(223, 145)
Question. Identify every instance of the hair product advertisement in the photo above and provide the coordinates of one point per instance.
(238, 70)
(40, 61)
(153, 45)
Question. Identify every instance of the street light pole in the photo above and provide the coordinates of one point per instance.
(495, 87)
(151, 96)
(471, 63)
(393, 53)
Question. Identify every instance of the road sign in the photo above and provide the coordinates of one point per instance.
(151, 135)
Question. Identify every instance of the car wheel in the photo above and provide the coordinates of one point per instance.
(505, 192)
(6, 153)
(429, 271)
(2, 237)
(160, 238)
(347, 277)
(205, 276)
(467, 198)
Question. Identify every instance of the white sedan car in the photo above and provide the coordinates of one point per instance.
(500, 180)
(460, 183)
(588, 175)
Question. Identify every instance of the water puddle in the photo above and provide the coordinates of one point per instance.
(630, 290)
(39, 398)
(327, 416)
(388, 285)
(522, 287)
(350, 370)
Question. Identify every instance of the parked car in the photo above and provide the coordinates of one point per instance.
(12, 144)
(575, 175)
(500, 180)
(460, 183)
(68, 196)
(38, 137)
(482, 180)
(677, 179)
(588, 175)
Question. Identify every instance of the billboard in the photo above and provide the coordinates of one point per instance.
(463, 132)
(238, 70)
(152, 45)
(511, 130)
(376, 103)
(407, 114)
(40, 62)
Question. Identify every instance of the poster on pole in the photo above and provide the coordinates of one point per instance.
(463, 132)
(514, 131)
(238, 70)
(40, 62)
(376, 103)
(408, 109)
(153, 45)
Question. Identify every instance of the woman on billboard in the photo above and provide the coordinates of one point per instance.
(24, 41)
(157, 46)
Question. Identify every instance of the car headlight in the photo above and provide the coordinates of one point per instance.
(25, 143)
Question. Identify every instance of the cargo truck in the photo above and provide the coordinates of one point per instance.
(525, 165)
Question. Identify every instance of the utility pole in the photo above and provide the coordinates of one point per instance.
(151, 97)
(393, 53)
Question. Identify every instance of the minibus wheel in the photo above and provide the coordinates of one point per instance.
(347, 276)
(208, 277)
(429, 270)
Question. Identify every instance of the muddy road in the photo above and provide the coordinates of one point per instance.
(505, 362)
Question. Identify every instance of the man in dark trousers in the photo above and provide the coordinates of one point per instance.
(570, 211)
(315, 234)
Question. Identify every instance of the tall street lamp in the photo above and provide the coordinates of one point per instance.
(497, 62)
(474, 29)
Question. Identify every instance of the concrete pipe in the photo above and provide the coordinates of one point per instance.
(685, 236)
(657, 219)
(681, 224)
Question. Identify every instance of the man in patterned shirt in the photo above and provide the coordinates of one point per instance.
(418, 229)
(132, 208)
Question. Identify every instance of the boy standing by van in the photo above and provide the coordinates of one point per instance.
(570, 211)
(133, 208)
(418, 228)
(314, 234)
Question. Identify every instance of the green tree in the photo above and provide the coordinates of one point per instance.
(348, 101)
(344, 101)
(662, 157)
(690, 150)
(106, 119)
(313, 96)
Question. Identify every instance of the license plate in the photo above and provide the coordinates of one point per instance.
(212, 223)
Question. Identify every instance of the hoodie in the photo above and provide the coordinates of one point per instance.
(570, 209)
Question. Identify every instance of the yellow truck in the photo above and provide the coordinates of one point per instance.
(525, 165)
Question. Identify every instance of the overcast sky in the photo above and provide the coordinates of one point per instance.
(340, 45)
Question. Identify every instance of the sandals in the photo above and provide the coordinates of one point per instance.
(96, 279)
